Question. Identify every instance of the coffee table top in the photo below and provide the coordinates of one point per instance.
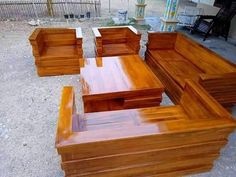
(109, 75)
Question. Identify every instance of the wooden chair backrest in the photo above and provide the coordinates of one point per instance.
(208, 61)
(198, 104)
(113, 35)
(227, 12)
(58, 37)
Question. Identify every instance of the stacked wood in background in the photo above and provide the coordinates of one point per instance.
(114, 41)
(161, 141)
(175, 58)
(57, 50)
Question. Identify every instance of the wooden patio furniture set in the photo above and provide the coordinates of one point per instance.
(124, 131)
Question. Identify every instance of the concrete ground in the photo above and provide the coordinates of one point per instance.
(29, 104)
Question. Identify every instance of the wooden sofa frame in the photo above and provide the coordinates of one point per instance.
(165, 141)
(57, 50)
(173, 57)
(117, 40)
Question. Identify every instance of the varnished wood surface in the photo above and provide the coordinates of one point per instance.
(115, 41)
(110, 83)
(55, 49)
(158, 141)
(175, 58)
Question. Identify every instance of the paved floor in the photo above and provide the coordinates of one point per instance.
(29, 104)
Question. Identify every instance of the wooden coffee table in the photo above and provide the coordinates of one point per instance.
(122, 82)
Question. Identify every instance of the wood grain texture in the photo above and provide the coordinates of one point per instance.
(175, 58)
(114, 41)
(57, 50)
(112, 83)
(158, 141)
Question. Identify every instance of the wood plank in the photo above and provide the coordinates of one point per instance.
(57, 70)
(144, 157)
(188, 162)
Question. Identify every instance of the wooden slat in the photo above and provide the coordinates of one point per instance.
(142, 157)
(188, 162)
(67, 109)
(57, 70)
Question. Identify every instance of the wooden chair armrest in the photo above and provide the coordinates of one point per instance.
(79, 37)
(206, 16)
(96, 33)
(79, 33)
(36, 40)
(205, 100)
(67, 110)
(34, 35)
(134, 30)
(98, 41)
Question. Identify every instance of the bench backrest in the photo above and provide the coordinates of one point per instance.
(205, 59)
(198, 104)
(159, 40)
(57, 36)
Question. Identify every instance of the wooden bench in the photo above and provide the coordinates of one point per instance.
(175, 58)
(57, 50)
(114, 41)
(163, 141)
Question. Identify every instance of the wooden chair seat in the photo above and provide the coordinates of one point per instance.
(67, 51)
(111, 120)
(117, 49)
(176, 65)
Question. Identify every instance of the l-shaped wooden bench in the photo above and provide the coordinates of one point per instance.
(175, 58)
(164, 141)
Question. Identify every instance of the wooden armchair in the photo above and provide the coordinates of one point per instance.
(159, 141)
(219, 24)
(57, 50)
(113, 41)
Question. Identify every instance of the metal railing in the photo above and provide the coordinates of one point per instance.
(36, 9)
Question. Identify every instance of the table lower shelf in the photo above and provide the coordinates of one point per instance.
(121, 103)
